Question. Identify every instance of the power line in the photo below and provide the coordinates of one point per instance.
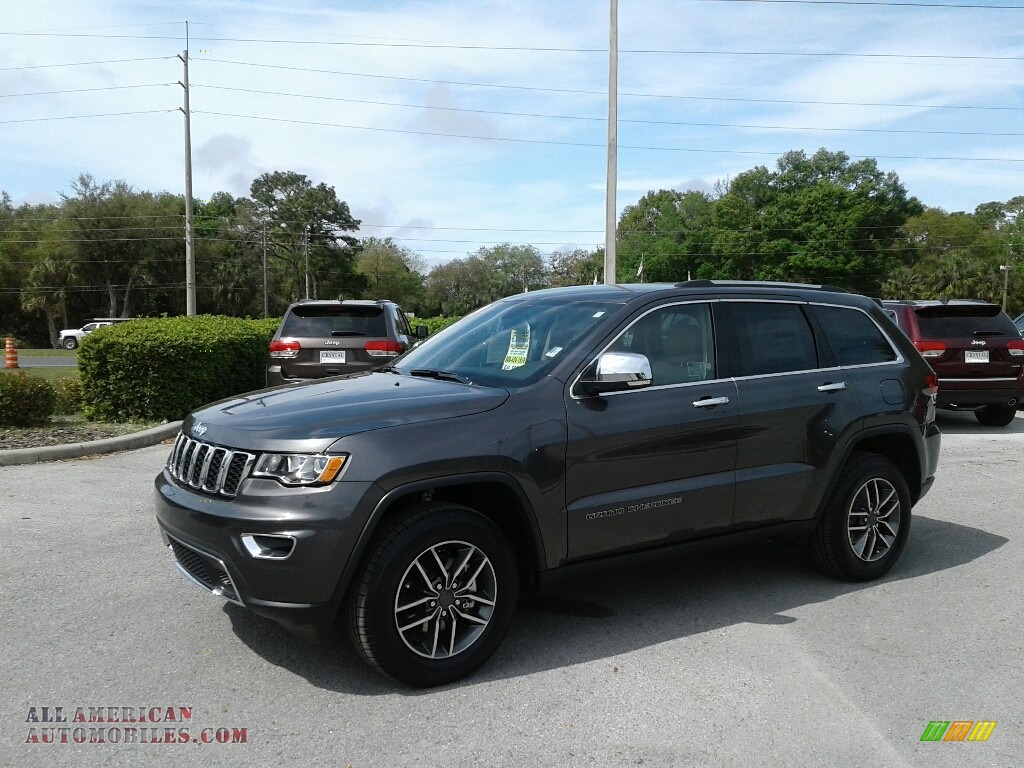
(86, 63)
(538, 49)
(82, 117)
(602, 119)
(588, 145)
(85, 90)
(584, 92)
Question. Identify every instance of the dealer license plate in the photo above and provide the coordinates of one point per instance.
(332, 356)
(976, 356)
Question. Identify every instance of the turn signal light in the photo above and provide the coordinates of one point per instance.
(930, 348)
(384, 348)
(931, 384)
(284, 348)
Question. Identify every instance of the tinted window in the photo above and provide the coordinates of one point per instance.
(402, 323)
(963, 320)
(772, 338)
(853, 337)
(677, 340)
(335, 321)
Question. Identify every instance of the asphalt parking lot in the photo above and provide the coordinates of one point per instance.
(746, 657)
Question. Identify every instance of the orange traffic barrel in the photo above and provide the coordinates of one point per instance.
(12, 354)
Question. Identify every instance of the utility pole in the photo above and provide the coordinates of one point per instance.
(266, 312)
(305, 245)
(611, 181)
(190, 254)
(1005, 269)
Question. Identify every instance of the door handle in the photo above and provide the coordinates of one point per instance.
(710, 402)
(839, 386)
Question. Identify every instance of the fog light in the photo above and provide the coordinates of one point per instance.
(268, 546)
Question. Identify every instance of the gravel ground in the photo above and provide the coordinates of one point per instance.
(65, 429)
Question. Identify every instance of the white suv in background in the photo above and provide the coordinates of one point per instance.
(70, 338)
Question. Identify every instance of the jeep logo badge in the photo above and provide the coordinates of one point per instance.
(199, 429)
(979, 342)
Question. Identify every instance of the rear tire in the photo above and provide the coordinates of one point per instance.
(996, 415)
(866, 521)
(435, 596)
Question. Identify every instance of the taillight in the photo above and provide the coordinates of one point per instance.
(384, 348)
(284, 348)
(931, 384)
(1015, 348)
(930, 348)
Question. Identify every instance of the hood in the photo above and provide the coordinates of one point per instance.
(311, 416)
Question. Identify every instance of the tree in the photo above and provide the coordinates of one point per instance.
(392, 272)
(671, 232)
(575, 267)
(301, 217)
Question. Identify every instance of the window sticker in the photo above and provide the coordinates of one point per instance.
(553, 352)
(599, 313)
(518, 348)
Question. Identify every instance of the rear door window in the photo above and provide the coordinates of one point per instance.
(307, 322)
(771, 337)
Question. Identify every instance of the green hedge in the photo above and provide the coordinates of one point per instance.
(68, 396)
(434, 324)
(25, 401)
(162, 368)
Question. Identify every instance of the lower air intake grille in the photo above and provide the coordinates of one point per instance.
(206, 571)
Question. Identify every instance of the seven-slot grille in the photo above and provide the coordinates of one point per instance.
(208, 467)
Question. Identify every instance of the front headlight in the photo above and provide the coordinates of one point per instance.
(299, 468)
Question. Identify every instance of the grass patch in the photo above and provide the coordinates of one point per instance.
(50, 373)
(69, 353)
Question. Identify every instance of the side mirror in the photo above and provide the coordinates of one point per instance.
(421, 332)
(617, 372)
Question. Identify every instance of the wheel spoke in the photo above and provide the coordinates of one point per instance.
(451, 643)
(421, 601)
(468, 617)
(437, 632)
(464, 562)
(444, 571)
(424, 620)
(859, 544)
(430, 584)
(477, 598)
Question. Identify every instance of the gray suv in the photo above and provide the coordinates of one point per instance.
(548, 433)
(328, 338)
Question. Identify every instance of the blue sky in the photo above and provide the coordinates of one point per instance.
(451, 125)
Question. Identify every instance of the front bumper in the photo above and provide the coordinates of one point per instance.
(204, 533)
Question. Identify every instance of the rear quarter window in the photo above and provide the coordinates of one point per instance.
(853, 337)
(772, 338)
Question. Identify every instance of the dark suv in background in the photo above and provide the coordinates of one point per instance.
(328, 338)
(550, 432)
(974, 348)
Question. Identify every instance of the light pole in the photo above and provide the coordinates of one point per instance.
(1005, 269)
(305, 245)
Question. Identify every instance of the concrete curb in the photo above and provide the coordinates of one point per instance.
(142, 439)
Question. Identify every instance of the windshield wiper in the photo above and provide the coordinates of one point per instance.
(347, 333)
(439, 375)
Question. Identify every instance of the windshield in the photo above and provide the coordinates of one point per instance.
(508, 343)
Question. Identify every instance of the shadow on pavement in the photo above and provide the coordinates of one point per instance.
(965, 423)
(617, 611)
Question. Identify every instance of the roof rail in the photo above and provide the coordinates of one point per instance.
(757, 284)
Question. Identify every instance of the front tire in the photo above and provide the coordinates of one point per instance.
(70, 343)
(866, 521)
(996, 415)
(435, 597)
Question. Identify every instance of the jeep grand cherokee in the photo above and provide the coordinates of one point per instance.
(546, 432)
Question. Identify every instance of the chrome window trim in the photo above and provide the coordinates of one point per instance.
(978, 380)
(659, 387)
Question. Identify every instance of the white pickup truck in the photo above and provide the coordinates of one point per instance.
(70, 338)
